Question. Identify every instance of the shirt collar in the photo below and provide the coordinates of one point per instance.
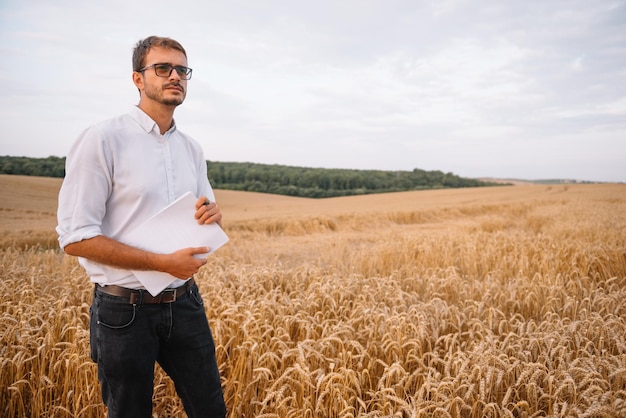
(146, 121)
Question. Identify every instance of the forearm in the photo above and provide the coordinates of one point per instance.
(108, 251)
(181, 264)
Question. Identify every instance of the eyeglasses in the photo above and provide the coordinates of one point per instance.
(165, 70)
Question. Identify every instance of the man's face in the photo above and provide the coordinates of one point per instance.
(170, 91)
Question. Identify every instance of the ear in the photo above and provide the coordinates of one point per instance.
(138, 80)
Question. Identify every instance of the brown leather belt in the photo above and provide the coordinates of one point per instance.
(138, 297)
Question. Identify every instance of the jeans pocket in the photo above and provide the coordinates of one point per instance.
(195, 297)
(93, 348)
(115, 315)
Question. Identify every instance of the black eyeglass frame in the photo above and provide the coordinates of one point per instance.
(182, 71)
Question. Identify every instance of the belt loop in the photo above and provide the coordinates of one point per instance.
(141, 297)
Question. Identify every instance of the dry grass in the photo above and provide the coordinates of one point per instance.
(507, 302)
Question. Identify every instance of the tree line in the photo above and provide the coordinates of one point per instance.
(281, 179)
(26, 166)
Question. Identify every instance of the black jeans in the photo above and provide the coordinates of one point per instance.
(126, 341)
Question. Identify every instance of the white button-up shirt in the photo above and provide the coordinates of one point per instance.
(119, 173)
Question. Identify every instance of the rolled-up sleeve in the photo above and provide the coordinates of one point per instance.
(85, 189)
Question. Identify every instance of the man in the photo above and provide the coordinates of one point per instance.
(119, 173)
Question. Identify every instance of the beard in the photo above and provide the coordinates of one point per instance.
(160, 94)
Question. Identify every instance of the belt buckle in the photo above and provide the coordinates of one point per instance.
(168, 296)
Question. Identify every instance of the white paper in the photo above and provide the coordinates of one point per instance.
(171, 229)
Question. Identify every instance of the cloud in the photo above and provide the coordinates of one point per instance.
(477, 88)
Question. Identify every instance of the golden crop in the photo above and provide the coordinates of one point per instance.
(496, 302)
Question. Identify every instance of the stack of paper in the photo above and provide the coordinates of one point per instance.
(171, 229)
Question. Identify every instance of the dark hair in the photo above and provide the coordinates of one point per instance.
(143, 47)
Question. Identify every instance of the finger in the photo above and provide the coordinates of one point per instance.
(202, 201)
(204, 210)
(211, 217)
(208, 205)
(199, 250)
(204, 217)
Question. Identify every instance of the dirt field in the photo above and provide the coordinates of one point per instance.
(28, 204)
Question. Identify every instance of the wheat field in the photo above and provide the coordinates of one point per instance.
(490, 302)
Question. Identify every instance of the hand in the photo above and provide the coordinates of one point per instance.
(182, 263)
(207, 212)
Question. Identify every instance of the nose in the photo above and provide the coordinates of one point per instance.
(174, 75)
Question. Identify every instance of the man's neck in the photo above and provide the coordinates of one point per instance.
(162, 115)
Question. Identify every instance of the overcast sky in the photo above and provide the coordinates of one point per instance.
(528, 89)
